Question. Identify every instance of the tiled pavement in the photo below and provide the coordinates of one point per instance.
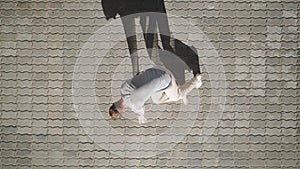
(41, 125)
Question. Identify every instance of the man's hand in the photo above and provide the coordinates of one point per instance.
(142, 119)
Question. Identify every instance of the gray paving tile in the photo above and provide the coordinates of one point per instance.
(40, 42)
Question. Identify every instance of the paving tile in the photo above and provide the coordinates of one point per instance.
(40, 42)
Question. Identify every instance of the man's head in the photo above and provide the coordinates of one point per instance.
(114, 112)
(117, 109)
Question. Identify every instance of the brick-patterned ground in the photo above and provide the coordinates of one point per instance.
(257, 42)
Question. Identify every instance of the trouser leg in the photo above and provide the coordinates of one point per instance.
(130, 31)
(164, 30)
(148, 24)
(149, 27)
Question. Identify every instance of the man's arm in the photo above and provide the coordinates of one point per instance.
(140, 111)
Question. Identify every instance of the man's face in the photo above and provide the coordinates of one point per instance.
(115, 113)
(116, 116)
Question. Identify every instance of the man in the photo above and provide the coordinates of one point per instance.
(151, 22)
(147, 11)
(157, 83)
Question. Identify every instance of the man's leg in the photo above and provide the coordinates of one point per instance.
(164, 30)
(176, 92)
(129, 27)
(149, 27)
(148, 24)
(188, 54)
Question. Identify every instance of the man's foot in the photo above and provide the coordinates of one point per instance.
(199, 81)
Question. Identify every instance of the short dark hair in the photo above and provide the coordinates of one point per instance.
(113, 112)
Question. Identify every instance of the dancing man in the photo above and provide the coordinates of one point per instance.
(157, 83)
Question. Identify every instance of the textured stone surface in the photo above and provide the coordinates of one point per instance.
(257, 43)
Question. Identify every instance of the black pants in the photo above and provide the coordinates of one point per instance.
(149, 24)
(131, 9)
